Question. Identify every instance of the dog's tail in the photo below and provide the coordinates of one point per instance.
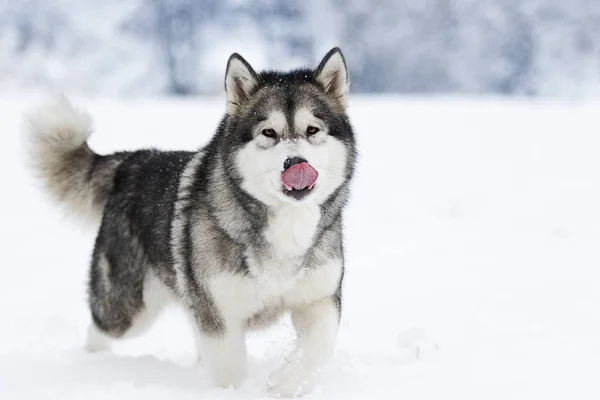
(56, 143)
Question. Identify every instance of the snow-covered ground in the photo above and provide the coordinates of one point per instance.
(473, 260)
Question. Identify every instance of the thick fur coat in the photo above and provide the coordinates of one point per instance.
(219, 230)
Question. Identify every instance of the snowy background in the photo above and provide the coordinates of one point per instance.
(473, 234)
(472, 241)
(140, 47)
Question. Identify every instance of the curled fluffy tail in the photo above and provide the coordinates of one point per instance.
(70, 171)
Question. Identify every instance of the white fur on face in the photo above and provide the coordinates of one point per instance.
(261, 166)
(303, 118)
(275, 121)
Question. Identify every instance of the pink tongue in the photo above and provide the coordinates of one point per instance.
(300, 176)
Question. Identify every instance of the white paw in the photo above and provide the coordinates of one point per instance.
(96, 340)
(291, 380)
(227, 376)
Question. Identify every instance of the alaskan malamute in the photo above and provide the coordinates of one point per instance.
(240, 232)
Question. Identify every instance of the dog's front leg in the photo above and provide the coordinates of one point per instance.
(316, 326)
(223, 353)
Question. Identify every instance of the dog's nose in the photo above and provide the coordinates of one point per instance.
(292, 161)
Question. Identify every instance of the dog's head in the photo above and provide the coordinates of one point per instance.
(289, 137)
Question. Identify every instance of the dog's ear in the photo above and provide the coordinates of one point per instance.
(240, 80)
(333, 75)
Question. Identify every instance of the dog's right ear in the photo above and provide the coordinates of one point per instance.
(240, 80)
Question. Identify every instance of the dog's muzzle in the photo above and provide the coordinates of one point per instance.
(298, 177)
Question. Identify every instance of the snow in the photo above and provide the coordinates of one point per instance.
(472, 260)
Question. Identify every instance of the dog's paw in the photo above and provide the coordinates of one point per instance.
(291, 380)
(96, 341)
(229, 376)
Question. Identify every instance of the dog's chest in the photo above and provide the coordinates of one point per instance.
(276, 275)
(291, 230)
(278, 285)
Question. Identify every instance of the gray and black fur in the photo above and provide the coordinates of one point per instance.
(184, 218)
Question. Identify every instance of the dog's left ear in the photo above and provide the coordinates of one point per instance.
(333, 75)
(240, 80)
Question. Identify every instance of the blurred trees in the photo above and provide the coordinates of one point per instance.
(531, 47)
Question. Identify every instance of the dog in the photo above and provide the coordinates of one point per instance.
(245, 229)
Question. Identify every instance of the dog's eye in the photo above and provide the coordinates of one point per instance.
(270, 133)
(311, 130)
